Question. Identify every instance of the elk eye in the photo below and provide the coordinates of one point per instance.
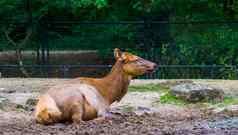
(139, 62)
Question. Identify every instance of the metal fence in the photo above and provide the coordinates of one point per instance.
(153, 40)
(162, 72)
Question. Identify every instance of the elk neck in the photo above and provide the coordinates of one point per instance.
(117, 82)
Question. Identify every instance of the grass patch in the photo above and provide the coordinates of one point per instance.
(226, 102)
(168, 98)
(147, 87)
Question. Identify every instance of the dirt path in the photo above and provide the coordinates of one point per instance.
(135, 114)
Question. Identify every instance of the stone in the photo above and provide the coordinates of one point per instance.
(2, 99)
(7, 105)
(231, 110)
(3, 102)
(192, 92)
(31, 101)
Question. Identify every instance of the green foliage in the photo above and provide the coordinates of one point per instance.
(209, 43)
(195, 43)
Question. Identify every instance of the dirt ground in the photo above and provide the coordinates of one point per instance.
(133, 115)
(13, 123)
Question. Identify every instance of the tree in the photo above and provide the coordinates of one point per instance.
(192, 40)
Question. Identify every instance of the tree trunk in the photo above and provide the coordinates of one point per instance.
(20, 62)
(18, 50)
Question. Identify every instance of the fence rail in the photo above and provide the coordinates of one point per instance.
(163, 71)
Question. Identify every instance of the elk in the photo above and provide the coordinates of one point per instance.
(83, 99)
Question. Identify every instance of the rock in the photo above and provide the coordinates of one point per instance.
(227, 123)
(7, 91)
(231, 110)
(140, 110)
(218, 110)
(2, 99)
(7, 105)
(19, 106)
(30, 104)
(3, 102)
(31, 101)
(18, 97)
(192, 92)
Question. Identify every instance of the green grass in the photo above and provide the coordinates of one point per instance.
(168, 98)
(227, 101)
(147, 87)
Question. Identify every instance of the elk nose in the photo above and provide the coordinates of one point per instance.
(154, 66)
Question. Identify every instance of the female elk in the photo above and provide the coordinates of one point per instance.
(88, 98)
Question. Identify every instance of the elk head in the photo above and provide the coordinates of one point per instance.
(134, 65)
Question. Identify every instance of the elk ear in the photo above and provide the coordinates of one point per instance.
(117, 53)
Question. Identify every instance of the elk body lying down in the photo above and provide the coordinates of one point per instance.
(82, 99)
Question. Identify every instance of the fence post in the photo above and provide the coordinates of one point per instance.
(65, 70)
(236, 71)
(212, 72)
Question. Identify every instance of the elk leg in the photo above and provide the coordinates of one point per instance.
(77, 112)
(104, 114)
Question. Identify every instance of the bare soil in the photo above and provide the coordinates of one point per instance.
(14, 123)
(135, 114)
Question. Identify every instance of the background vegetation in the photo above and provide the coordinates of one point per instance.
(190, 32)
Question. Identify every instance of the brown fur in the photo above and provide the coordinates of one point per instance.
(63, 103)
